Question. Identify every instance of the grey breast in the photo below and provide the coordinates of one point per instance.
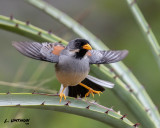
(71, 71)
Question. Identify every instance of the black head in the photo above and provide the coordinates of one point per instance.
(80, 47)
(79, 44)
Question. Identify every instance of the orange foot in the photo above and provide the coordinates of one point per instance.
(61, 95)
(91, 91)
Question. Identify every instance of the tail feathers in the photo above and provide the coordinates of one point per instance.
(90, 81)
(31, 50)
(78, 90)
(74, 91)
(102, 83)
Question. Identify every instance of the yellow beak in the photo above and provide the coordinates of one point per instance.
(87, 47)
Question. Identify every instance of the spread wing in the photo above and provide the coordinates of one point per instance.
(106, 57)
(40, 51)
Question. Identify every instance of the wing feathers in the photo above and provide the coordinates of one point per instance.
(27, 49)
(40, 51)
(106, 57)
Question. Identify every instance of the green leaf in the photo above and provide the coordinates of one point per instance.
(75, 106)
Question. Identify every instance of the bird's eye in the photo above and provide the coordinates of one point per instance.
(77, 44)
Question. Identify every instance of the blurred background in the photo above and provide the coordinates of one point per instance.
(109, 20)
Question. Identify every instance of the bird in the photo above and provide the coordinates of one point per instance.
(72, 64)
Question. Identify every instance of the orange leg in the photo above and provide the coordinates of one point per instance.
(61, 95)
(91, 91)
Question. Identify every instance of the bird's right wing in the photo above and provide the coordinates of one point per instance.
(40, 51)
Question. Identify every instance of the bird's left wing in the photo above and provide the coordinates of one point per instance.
(106, 57)
(40, 51)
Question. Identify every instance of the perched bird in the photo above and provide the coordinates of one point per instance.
(73, 64)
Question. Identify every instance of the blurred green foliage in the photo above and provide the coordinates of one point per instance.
(109, 20)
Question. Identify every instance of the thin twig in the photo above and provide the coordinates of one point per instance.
(25, 86)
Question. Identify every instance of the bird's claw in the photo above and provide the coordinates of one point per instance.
(61, 95)
(91, 91)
